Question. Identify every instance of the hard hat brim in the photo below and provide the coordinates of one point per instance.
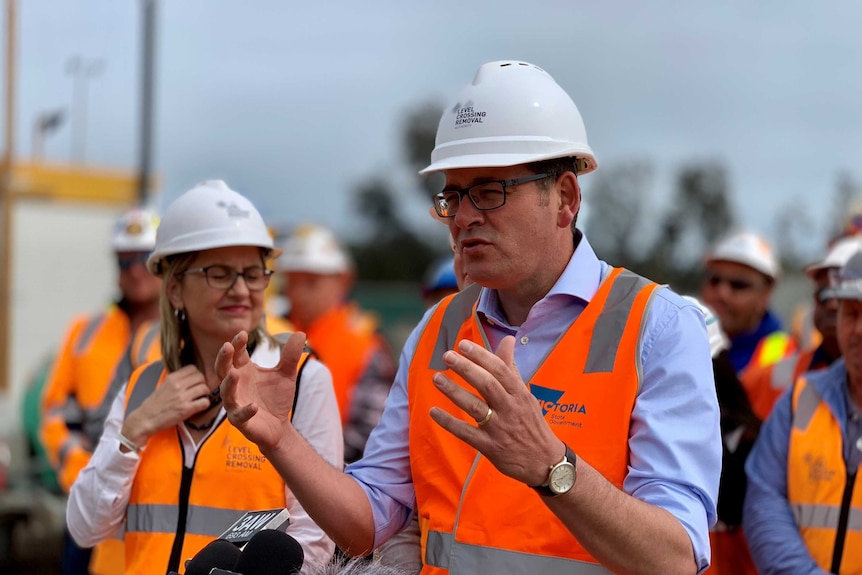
(506, 160)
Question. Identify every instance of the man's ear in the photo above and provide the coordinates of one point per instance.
(570, 199)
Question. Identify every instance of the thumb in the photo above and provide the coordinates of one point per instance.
(290, 354)
(506, 350)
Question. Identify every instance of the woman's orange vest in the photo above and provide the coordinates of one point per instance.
(171, 505)
(472, 517)
(825, 497)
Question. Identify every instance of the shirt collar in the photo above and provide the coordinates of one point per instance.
(580, 280)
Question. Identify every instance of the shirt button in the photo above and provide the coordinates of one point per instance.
(525, 340)
(859, 444)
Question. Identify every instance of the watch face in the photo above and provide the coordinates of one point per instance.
(562, 478)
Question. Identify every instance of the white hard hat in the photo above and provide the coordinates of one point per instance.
(135, 231)
(837, 256)
(313, 249)
(511, 113)
(847, 282)
(210, 215)
(717, 339)
(747, 248)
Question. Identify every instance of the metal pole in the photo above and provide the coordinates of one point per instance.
(147, 80)
(6, 200)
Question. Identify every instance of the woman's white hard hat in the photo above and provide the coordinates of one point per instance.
(208, 216)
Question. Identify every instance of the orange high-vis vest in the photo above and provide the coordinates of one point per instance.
(765, 385)
(345, 339)
(77, 387)
(472, 515)
(174, 510)
(824, 496)
(771, 349)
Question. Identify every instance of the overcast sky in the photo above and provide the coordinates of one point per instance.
(293, 103)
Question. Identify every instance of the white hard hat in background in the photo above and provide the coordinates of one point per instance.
(135, 231)
(747, 248)
(837, 256)
(717, 339)
(210, 215)
(313, 249)
(511, 113)
(847, 282)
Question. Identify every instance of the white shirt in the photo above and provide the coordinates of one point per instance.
(99, 497)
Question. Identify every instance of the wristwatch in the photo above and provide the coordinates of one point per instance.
(561, 476)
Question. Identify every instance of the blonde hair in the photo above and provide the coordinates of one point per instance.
(178, 349)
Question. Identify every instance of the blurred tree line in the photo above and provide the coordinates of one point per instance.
(623, 222)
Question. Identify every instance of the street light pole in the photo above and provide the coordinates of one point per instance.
(81, 71)
(147, 79)
(6, 200)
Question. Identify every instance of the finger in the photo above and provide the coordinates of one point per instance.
(240, 343)
(499, 366)
(229, 389)
(291, 353)
(224, 360)
(467, 433)
(242, 414)
(475, 407)
(477, 377)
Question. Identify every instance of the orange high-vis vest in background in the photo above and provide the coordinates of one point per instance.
(765, 385)
(229, 477)
(345, 339)
(470, 514)
(771, 349)
(824, 496)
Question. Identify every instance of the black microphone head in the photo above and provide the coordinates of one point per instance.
(218, 554)
(269, 552)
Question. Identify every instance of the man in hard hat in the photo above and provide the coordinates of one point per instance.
(559, 415)
(740, 275)
(318, 275)
(804, 499)
(766, 384)
(94, 361)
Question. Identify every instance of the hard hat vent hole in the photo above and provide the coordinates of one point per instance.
(504, 65)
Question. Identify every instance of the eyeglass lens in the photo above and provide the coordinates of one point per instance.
(224, 277)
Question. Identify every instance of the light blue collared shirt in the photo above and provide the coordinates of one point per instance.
(674, 440)
(770, 527)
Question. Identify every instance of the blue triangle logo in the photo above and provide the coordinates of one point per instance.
(546, 396)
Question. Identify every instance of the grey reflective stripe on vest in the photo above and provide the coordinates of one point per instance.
(462, 559)
(86, 335)
(782, 372)
(611, 323)
(459, 310)
(146, 342)
(825, 516)
(145, 385)
(807, 404)
(154, 518)
(73, 440)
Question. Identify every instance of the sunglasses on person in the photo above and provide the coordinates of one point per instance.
(736, 284)
(127, 261)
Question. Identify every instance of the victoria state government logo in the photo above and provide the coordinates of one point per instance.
(560, 413)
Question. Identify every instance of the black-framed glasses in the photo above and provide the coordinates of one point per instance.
(736, 284)
(824, 295)
(485, 195)
(224, 277)
(125, 261)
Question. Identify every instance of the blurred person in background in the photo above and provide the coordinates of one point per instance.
(91, 366)
(740, 275)
(318, 276)
(803, 505)
(739, 428)
(169, 467)
(766, 384)
(559, 415)
(439, 281)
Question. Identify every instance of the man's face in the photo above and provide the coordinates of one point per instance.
(825, 310)
(738, 294)
(507, 246)
(850, 336)
(137, 284)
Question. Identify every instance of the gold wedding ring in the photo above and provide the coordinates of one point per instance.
(485, 419)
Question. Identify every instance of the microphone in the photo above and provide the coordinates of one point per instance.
(218, 554)
(268, 552)
(254, 522)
